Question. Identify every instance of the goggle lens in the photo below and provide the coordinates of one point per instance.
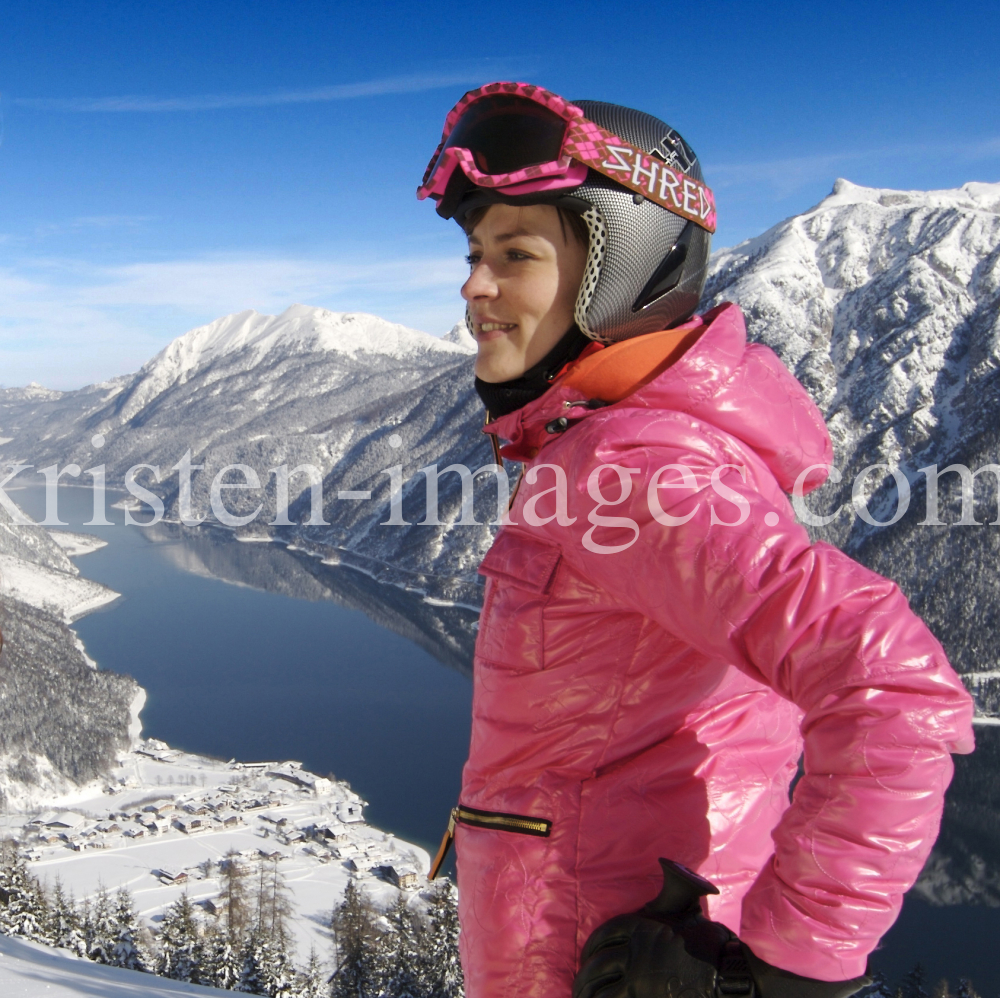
(505, 133)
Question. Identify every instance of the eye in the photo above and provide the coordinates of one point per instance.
(473, 258)
(517, 255)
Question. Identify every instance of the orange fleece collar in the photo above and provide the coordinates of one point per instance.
(612, 373)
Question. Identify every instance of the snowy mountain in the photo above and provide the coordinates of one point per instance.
(886, 305)
(350, 394)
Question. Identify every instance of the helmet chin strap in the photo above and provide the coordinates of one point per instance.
(503, 397)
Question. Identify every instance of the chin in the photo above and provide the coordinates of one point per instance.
(496, 369)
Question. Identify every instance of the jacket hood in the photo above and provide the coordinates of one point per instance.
(742, 389)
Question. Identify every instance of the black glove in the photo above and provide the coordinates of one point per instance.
(669, 949)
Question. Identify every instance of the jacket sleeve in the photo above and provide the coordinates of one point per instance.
(882, 707)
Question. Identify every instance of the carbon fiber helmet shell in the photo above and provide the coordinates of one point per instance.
(646, 267)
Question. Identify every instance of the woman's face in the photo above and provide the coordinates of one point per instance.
(526, 272)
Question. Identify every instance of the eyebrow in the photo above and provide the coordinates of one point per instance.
(505, 237)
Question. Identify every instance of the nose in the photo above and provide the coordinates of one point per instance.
(481, 284)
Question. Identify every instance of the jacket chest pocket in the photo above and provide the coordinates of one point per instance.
(519, 569)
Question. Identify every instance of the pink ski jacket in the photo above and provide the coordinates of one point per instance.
(658, 647)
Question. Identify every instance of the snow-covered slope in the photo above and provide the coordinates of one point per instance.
(61, 720)
(886, 305)
(247, 340)
(30, 970)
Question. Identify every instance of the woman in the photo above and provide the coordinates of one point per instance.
(660, 643)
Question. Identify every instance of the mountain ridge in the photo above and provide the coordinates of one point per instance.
(885, 304)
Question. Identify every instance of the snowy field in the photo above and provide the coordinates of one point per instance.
(163, 822)
(29, 970)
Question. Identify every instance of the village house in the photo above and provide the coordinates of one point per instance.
(293, 773)
(160, 807)
(171, 876)
(155, 825)
(405, 878)
(350, 811)
(64, 821)
(191, 825)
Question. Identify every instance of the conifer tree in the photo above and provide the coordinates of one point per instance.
(65, 928)
(128, 950)
(272, 907)
(265, 967)
(103, 929)
(221, 959)
(25, 910)
(913, 983)
(398, 953)
(965, 989)
(440, 964)
(278, 973)
(86, 924)
(313, 983)
(354, 935)
(251, 976)
(942, 990)
(266, 970)
(180, 943)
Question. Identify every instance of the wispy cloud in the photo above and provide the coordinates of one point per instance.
(66, 323)
(414, 83)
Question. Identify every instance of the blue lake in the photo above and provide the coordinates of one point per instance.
(254, 652)
(236, 671)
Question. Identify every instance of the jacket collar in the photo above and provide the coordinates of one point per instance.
(673, 369)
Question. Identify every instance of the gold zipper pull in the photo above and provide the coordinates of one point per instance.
(446, 840)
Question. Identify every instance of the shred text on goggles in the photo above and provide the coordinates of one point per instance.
(522, 139)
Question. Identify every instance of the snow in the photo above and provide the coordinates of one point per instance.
(974, 197)
(300, 329)
(76, 544)
(275, 808)
(69, 596)
(460, 335)
(886, 306)
(29, 970)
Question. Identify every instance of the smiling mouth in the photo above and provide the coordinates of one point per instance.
(488, 328)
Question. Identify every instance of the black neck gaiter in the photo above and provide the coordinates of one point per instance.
(503, 397)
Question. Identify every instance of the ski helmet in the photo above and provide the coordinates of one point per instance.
(635, 181)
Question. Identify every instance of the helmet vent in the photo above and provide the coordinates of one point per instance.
(592, 271)
(668, 274)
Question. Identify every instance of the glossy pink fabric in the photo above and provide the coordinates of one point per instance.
(654, 702)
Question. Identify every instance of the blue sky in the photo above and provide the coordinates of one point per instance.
(162, 164)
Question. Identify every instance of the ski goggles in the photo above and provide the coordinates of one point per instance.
(520, 139)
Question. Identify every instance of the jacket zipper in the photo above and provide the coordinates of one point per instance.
(497, 820)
